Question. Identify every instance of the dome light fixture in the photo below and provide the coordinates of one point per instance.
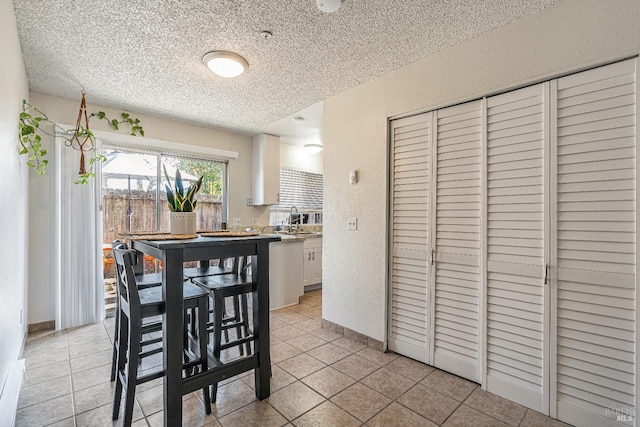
(225, 64)
(313, 148)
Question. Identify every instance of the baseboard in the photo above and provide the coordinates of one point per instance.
(10, 392)
(353, 335)
(49, 325)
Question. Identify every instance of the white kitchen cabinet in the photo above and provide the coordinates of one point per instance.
(266, 170)
(285, 273)
(312, 261)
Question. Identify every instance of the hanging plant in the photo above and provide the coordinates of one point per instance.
(80, 138)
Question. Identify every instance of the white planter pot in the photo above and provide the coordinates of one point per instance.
(182, 222)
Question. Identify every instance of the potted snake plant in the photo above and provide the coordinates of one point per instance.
(181, 201)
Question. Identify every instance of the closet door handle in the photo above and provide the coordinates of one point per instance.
(313, 257)
(433, 256)
(546, 273)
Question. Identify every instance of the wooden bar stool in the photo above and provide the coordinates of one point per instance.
(221, 287)
(137, 304)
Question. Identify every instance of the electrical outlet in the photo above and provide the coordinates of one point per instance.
(236, 221)
(255, 221)
(352, 224)
(249, 201)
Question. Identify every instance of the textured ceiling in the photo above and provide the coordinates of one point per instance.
(146, 55)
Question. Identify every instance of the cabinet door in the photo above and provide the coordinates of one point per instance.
(596, 246)
(410, 250)
(316, 270)
(266, 170)
(516, 350)
(456, 311)
(306, 264)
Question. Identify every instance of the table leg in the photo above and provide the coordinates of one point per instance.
(172, 336)
(260, 274)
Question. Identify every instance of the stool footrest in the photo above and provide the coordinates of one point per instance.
(235, 343)
(150, 352)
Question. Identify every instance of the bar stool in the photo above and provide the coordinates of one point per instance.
(239, 302)
(136, 304)
(220, 287)
(143, 281)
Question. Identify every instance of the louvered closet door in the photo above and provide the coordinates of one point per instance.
(457, 233)
(515, 246)
(410, 248)
(596, 241)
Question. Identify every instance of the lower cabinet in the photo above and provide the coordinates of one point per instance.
(312, 261)
(285, 273)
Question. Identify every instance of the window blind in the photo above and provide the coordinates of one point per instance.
(301, 189)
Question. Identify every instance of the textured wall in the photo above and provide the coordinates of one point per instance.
(14, 179)
(570, 36)
(291, 155)
(41, 195)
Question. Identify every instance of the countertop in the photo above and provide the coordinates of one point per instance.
(292, 238)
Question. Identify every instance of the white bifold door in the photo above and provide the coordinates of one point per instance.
(517, 140)
(594, 225)
(435, 244)
(513, 244)
(410, 249)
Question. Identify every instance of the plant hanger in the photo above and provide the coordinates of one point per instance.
(81, 138)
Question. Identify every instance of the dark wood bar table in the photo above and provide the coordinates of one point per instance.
(173, 253)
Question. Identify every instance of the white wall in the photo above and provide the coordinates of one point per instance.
(297, 157)
(568, 37)
(41, 295)
(13, 191)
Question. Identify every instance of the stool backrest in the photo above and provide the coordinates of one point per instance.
(129, 297)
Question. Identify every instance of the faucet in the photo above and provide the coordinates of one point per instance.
(291, 219)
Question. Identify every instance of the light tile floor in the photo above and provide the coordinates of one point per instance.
(319, 378)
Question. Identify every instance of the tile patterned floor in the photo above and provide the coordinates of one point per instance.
(319, 378)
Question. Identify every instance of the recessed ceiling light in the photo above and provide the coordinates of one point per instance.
(266, 34)
(313, 148)
(298, 119)
(225, 64)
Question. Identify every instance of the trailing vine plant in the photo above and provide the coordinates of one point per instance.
(80, 138)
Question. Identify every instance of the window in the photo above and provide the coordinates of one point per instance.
(132, 200)
(300, 189)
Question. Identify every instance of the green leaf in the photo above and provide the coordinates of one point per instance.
(170, 198)
(179, 186)
(101, 115)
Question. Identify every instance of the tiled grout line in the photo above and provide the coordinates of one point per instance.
(379, 365)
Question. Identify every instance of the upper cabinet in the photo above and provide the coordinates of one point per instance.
(266, 170)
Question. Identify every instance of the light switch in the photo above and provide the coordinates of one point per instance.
(352, 224)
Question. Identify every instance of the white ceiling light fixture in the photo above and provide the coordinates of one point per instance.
(329, 6)
(225, 64)
(313, 148)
